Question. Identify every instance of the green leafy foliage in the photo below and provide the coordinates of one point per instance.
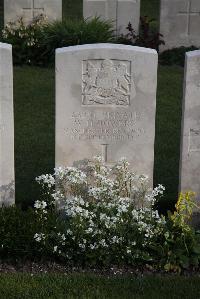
(175, 246)
(181, 248)
(108, 218)
(148, 36)
(70, 33)
(17, 229)
(35, 43)
(25, 40)
(16, 233)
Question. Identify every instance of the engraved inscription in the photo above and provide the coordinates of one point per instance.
(194, 140)
(2, 127)
(104, 126)
(106, 82)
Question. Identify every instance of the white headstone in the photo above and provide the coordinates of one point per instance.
(180, 23)
(7, 185)
(121, 12)
(105, 104)
(190, 148)
(29, 9)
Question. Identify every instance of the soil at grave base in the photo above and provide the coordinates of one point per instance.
(36, 268)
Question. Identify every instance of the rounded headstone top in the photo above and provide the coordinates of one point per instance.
(105, 46)
(193, 53)
(5, 46)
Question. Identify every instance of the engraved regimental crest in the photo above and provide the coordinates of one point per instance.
(106, 82)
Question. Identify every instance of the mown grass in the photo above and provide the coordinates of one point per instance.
(72, 8)
(97, 287)
(150, 8)
(168, 132)
(34, 128)
(1, 13)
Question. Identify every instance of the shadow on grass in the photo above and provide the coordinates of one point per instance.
(168, 133)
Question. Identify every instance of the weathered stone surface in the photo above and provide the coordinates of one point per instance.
(105, 104)
(121, 12)
(180, 23)
(29, 9)
(7, 185)
(190, 148)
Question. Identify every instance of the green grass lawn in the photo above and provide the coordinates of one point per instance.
(150, 8)
(34, 128)
(97, 287)
(73, 8)
(1, 13)
(168, 131)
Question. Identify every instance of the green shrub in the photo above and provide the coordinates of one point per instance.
(36, 42)
(70, 33)
(25, 40)
(181, 247)
(100, 233)
(175, 56)
(148, 36)
(108, 219)
(17, 230)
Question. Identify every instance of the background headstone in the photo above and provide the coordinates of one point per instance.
(180, 23)
(105, 104)
(121, 12)
(28, 9)
(190, 149)
(7, 185)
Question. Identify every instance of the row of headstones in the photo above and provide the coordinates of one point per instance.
(179, 19)
(105, 105)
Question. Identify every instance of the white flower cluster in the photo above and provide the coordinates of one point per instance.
(46, 179)
(70, 175)
(40, 205)
(39, 237)
(25, 32)
(105, 209)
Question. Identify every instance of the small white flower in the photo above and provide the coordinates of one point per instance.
(39, 237)
(55, 248)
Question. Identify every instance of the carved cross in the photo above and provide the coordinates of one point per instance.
(105, 152)
(189, 13)
(112, 9)
(33, 10)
